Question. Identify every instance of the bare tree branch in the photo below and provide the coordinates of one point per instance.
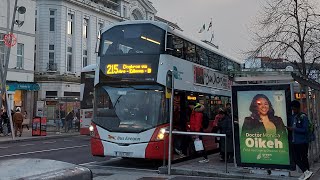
(289, 30)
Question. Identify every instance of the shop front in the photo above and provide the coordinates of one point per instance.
(22, 94)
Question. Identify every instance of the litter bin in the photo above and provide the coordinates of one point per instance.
(36, 126)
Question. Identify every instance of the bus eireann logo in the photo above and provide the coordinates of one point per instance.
(176, 73)
(111, 137)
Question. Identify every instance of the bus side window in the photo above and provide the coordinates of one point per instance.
(190, 51)
(177, 44)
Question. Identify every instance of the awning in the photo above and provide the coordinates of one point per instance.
(307, 82)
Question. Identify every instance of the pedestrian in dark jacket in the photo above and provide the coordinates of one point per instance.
(225, 126)
(1, 121)
(69, 119)
(6, 123)
(217, 120)
(298, 127)
(196, 118)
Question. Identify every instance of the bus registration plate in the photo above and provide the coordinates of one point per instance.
(124, 154)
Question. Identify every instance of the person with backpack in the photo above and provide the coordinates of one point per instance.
(196, 120)
(298, 126)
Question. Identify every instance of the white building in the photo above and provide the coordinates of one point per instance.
(66, 36)
(20, 77)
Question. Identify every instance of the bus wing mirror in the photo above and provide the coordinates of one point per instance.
(98, 43)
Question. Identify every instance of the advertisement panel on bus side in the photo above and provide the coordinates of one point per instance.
(187, 77)
(260, 114)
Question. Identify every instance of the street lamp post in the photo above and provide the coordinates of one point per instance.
(4, 65)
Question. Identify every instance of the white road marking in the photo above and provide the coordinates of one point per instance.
(100, 162)
(49, 142)
(27, 145)
(67, 140)
(48, 150)
(87, 163)
(5, 147)
(123, 168)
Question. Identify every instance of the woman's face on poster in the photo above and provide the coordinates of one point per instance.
(262, 106)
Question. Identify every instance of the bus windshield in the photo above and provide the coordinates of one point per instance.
(86, 90)
(132, 39)
(129, 109)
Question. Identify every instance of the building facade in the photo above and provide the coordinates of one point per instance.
(66, 40)
(20, 77)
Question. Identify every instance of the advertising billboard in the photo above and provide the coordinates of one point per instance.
(260, 113)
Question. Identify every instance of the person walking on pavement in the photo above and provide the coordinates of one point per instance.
(69, 119)
(77, 122)
(196, 118)
(6, 125)
(26, 120)
(298, 126)
(217, 120)
(17, 121)
(1, 121)
(225, 126)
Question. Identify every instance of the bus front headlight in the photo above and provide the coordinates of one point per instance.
(91, 128)
(161, 134)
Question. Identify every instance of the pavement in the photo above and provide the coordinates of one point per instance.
(32, 169)
(27, 136)
(215, 168)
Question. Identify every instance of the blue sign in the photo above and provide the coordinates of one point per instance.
(23, 86)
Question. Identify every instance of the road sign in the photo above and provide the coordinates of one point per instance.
(10, 40)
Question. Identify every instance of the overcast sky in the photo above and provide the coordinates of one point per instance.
(232, 20)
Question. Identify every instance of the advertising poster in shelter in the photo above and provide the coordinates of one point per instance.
(260, 114)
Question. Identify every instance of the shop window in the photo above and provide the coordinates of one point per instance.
(17, 98)
(51, 94)
(67, 93)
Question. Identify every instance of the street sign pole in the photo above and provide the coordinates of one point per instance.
(170, 74)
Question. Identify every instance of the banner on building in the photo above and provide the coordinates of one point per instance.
(260, 113)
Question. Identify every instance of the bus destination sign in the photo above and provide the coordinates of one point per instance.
(128, 69)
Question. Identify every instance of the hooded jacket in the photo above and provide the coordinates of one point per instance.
(196, 118)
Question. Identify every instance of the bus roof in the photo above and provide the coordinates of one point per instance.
(89, 68)
(179, 33)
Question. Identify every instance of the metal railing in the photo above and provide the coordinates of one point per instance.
(196, 134)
